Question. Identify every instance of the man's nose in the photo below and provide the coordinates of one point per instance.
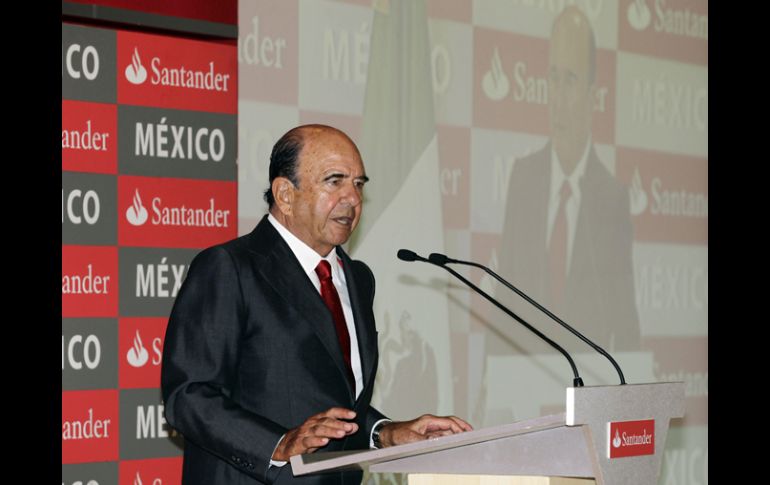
(352, 195)
(555, 94)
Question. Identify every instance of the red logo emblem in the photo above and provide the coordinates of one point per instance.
(632, 438)
(141, 351)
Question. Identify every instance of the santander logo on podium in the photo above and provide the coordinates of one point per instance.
(631, 438)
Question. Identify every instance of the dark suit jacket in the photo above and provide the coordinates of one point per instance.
(251, 351)
(599, 295)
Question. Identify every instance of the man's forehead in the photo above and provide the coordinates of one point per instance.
(569, 52)
(329, 151)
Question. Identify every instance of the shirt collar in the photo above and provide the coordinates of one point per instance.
(306, 256)
(557, 171)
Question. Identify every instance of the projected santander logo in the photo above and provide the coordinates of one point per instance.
(676, 30)
(668, 195)
(495, 83)
(639, 15)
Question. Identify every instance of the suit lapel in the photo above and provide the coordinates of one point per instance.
(582, 263)
(366, 339)
(283, 272)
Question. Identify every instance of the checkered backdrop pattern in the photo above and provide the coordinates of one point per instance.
(148, 179)
(440, 160)
(442, 97)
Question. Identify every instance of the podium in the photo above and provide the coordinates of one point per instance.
(610, 434)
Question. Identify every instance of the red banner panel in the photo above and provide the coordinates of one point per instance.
(151, 472)
(89, 426)
(89, 286)
(168, 72)
(89, 141)
(163, 212)
(223, 11)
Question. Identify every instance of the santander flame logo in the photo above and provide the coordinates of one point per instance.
(616, 440)
(137, 355)
(637, 194)
(135, 72)
(639, 15)
(495, 83)
(136, 213)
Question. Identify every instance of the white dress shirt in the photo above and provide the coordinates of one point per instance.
(309, 259)
(573, 204)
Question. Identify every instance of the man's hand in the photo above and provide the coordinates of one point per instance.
(425, 427)
(316, 432)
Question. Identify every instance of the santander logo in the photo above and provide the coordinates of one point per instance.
(137, 355)
(135, 72)
(631, 438)
(495, 83)
(637, 194)
(616, 440)
(138, 480)
(639, 15)
(136, 213)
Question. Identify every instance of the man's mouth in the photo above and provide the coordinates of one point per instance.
(344, 220)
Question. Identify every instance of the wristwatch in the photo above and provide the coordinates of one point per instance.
(376, 434)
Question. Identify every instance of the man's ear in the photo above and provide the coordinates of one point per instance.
(283, 193)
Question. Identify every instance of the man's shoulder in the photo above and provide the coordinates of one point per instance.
(252, 244)
(361, 271)
(602, 183)
(355, 264)
(534, 163)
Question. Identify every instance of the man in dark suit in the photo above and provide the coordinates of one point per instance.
(271, 348)
(567, 234)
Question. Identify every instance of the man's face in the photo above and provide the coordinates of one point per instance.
(570, 93)
(326, 206)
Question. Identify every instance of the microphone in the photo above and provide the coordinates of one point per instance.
(441, 260)
(407, 255)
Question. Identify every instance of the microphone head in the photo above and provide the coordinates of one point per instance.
(437, 258)
(407, 255)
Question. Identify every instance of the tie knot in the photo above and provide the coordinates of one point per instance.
(324, 270)
(566, 191)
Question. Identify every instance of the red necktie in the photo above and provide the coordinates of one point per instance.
(332, 300)
(558, 247)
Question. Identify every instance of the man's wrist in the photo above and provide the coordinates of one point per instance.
(273, 462)
(376, 438)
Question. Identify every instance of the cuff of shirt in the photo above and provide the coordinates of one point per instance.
(371, 439)
(276, 462)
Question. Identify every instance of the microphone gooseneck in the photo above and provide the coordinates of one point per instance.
(440, 257)
(440, 261)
